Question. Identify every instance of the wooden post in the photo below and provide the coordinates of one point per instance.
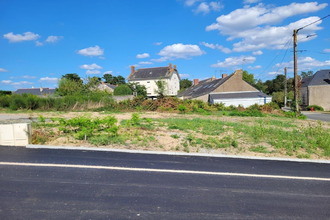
(285, 88)
(295, 69)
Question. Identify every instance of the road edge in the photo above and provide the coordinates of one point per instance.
(81, 148)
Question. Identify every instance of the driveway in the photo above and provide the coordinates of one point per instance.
(317, 116)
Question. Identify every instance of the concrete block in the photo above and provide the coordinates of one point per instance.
(15, 134)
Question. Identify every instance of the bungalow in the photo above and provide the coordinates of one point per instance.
(315, 89)
(230, 90)
(36, 91)
(149, 76)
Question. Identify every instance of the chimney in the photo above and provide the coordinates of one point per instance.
(213, 78)
(132, 69)
(170, 66)
(239, 74)
(224, 75)
(196, 81)
(174, 67)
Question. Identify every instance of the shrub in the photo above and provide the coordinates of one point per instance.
(315, 108)
(123, 90)
(182, 108)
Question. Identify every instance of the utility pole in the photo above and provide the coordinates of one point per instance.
(295, 31)
(285, 88)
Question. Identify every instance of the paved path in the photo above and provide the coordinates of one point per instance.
(65, 184)
(317, 116)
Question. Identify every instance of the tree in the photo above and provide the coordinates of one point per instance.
(68, 87)
(160, 88)
(123, 90)
(92, 83)
(73, 77)
(306, 74)
(249, 77)
(185, 83)
(141, 90)
(113, 79)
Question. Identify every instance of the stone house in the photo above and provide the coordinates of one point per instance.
(106, 87)
(230, 90)
(315, 89)
(149, 76)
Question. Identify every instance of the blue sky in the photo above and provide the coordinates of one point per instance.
(42, 40)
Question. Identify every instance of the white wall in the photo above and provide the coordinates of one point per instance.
(243, 102)
(15, 134)
(172, 85)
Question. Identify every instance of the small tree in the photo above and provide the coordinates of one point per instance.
(68, 87)
(141, 90)
(123, 90)
(160, 88)
(185, 83)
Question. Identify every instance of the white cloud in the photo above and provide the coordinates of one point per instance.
(191, 2)
(216, 46)
(202, 8)
(145, 63)
(179, 51)
(108, 72)
(49, 79)
(91, 51)
(325, 51)
(27, 36)
(216, 6)
(6, 81)
(250, 1)
(258, 52)
(205, 7)
(235, 61)
(305, 63)
(255, 67)
(39, 44)
(273, 73)
(143, 55)
(21, 83)
(253, 25)
(90, 66)
(185, 75)
(29, 77)
(3, 70)
(93, 72)
(158, 43)
(53, 39)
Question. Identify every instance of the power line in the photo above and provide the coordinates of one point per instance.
(312, 23)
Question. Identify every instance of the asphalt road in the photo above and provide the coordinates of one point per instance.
(318, 116)
(64, 184)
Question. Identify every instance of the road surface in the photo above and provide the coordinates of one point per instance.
(66, 184)
(317, 116)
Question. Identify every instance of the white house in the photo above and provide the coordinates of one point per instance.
(149, 76)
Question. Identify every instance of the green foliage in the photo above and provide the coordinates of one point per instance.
(114, 80)
(141, 90)
(249, 77)
(278, 97)
(3, 92)
(123, 90)
(160, 88)
(306, 74)
(185, 83)
(259, 149)
(175, 136)
(182, 108)
(250, 113)
(84, 127)
(69, 87)
(315, 108)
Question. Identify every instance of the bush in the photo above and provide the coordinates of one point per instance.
(182, 108)
(123, 90)
(315, 108)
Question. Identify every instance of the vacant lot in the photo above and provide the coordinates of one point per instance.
(217, 134)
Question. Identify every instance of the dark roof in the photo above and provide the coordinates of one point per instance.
(203, 87)
(237, 95)
(321, 77)
(306, 80)
(36, 91)
(151, 73)
(110, 85)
